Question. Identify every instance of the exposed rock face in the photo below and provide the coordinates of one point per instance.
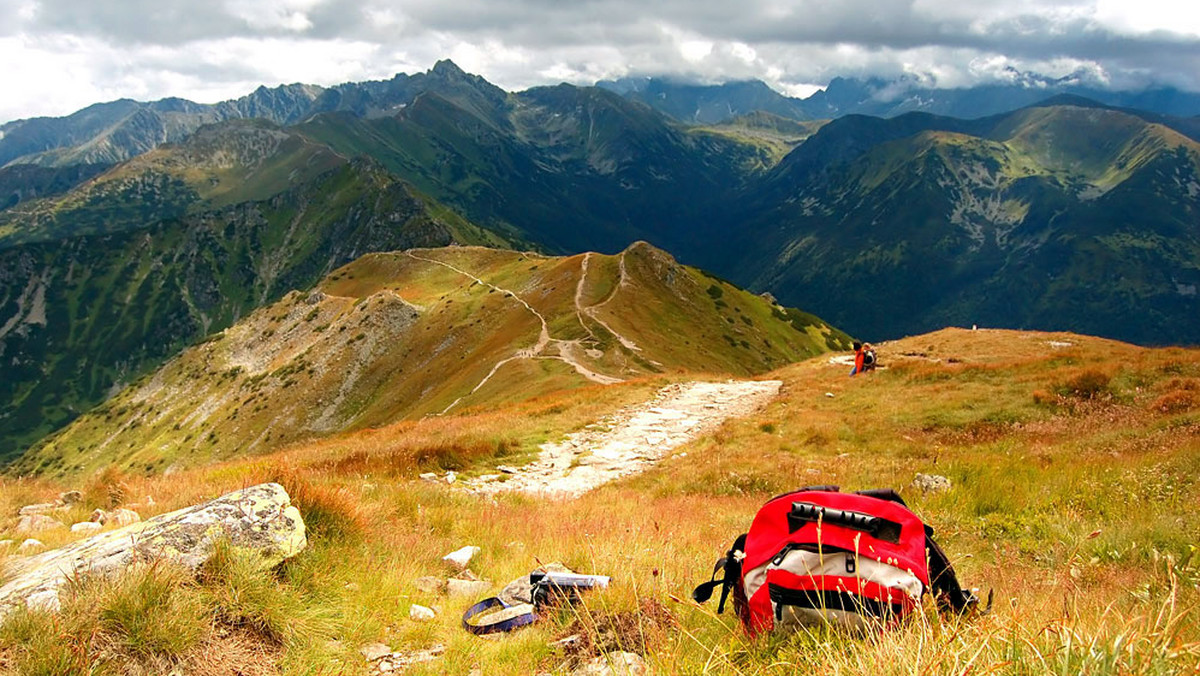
(260, 519)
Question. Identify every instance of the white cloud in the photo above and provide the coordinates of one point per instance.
(1180, 17)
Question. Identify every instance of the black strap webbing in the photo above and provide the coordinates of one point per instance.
(494, 627)
(731, 564)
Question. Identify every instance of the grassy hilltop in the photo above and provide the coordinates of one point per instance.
(403, 335)
(1074, 463)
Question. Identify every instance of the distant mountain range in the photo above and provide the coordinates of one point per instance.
(1060, 215)
(1069, 214)
(105, 133)
(708, 104)
(116, 131)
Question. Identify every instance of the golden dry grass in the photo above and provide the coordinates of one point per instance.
(1074, 499)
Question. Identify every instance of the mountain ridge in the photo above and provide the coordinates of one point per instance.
(402, 335)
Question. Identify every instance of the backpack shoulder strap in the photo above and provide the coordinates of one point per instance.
(942, 579)
(731, 567)
(946, 589)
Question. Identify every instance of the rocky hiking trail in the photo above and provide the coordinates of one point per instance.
(630, 440)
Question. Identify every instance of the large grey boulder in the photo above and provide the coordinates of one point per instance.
(259, 519)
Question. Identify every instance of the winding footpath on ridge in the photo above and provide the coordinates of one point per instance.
(632, 439)
(538, 349)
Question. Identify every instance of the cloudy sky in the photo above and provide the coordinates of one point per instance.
(57, 56)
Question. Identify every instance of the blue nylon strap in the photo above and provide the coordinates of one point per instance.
(495, 627)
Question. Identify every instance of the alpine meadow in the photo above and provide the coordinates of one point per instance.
(890, 312)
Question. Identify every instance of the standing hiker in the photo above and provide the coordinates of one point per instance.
(868, 358)
(858, 358)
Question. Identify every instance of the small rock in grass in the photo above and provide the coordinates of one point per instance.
(931, 483)
(86, 527)
(123, 517)
(36, 523)
(402, 660)
(451, 477)
(30, 545)
(459, 558)
(624, 663)
(375, 651)
(467, 587)
(40, 508)
(567, 641)
(430, 585)
(421, 613)
(99, 516)
(70, 498)
(829, 394)
(429, 476)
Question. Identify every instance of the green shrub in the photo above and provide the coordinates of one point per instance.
(1090, 384)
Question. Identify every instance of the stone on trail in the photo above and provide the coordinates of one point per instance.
(86, 527)
(258, 519)
(29, 545)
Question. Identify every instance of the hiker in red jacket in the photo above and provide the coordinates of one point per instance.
(858, 358)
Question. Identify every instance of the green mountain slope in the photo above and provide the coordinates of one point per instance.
(1050, 217)
(568, 168)
(220, 165)
(82, 315)
(428, 331)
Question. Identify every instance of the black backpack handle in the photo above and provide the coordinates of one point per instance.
(807, 512)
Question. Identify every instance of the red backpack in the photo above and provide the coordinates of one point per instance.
(818, 556)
